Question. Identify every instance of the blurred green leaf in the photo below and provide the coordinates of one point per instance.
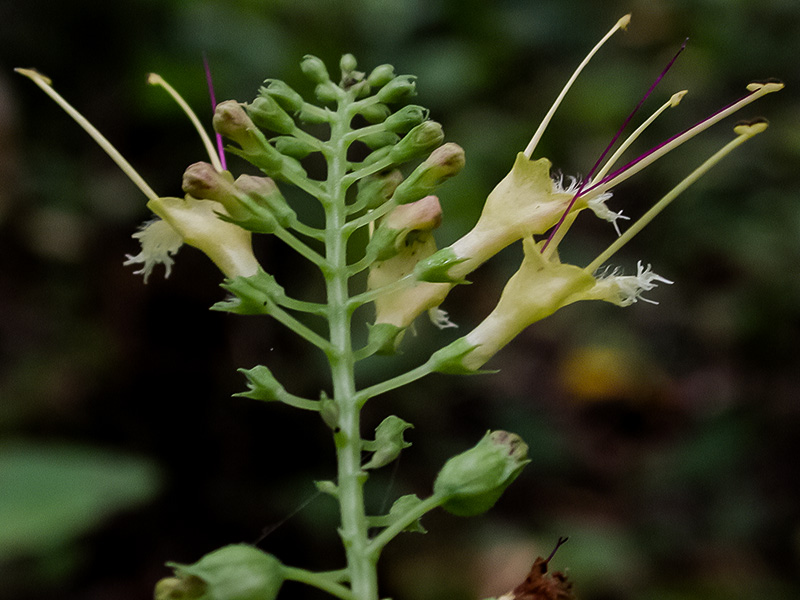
(52, 493)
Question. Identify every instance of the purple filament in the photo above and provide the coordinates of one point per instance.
(220, 145)
(613, 141)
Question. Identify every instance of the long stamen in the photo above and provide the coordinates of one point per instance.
(45, 84)
(621, 24)
(671, 103)
(613, 141)
(744, 133)
(756, 91)
(155, 79)
(209, 80)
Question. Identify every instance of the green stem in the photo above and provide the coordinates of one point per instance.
(318, 580)
(354, 525)
(396, 528)
(300, 247)
(395, 382)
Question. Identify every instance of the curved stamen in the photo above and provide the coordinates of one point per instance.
(155, 79)
(621, 24)
(756, 91)
(611, 144)
(220, 143)
(744, 133)
(45, 84)
(671, 103)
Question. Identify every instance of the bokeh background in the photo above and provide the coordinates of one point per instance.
(665, 440)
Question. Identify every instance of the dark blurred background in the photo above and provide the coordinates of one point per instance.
(665, 440)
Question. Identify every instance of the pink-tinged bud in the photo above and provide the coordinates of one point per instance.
(442, 164)
(404, 226)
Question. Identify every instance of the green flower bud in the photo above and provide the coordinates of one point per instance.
(381, 75)
(375, 113)
(294, 147)
(377, 188)
(347, 63)
(443, 163)
(231, 120)
(283, 94)
(471, 482)
(379, 139)
(266, 113)
(397, 89)
(376, 156)
(261, 384)
(313, 115)
(422, 139)
(235, 572)
(263, 198)
(314, 69)
(406, 118)
(327, 92)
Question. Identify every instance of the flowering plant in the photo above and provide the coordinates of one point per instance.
(371, 134)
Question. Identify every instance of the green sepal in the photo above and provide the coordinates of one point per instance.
(435, 268)
(294, 147)
(384, 338)
(270, 161)
(470, 483)
(235, 572)
(262, 384)
(421, 140)
(327, 487)
(401, 507)
(388, 442)
(448, 360)
(266, 113)
(283, 94)
(254, 295)
(377, 155)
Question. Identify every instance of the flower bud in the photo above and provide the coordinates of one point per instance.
(314, 69)
(381, 75)
(379, 139)
(375, 113)
(406, 118)
(404, 226)
(397, 89)
(265, 204)
(266, 113)
(347, 63)
(235, 572)
(294, 147)
(201, 180)
(313, 115)
(327, 92)
(283, 94)
(443, 163)
(422, 139)
(377, 188)
(231, 120)
(471, 482)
